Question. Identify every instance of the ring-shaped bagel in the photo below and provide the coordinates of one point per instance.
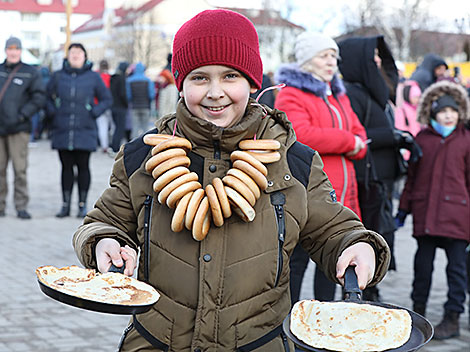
(265, 157)
(177, 221)
(192, 208)
(241, 203)
(169, 176)
(259, 144)
(157, 159)
(165, 192)
(222, 197)
(198, 223)
(246, 180)
(155, 138)
(179, 192)
(216, 210)
(251, 171)
(241, 155)
(240, 187)
(170, 164)
(174, 142)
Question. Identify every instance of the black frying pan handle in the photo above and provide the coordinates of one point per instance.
(352, 292)
(113, 268)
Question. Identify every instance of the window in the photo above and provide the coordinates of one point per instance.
(31, 36)
(44, 2)
(29, 17)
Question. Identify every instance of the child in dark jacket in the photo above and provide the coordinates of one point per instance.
(437, 194)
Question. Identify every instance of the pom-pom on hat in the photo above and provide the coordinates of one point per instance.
(443, 102)
(309, 44)
(217, 37)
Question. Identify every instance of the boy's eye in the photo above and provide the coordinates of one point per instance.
(232, 75)
(197, 78)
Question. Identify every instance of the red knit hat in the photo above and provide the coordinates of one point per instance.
(217, 37)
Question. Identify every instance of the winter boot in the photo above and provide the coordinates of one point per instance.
(65, 211)
(448, 327)
(420, 309)
(82, 204)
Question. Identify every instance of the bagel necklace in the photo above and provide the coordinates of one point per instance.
(195, 207)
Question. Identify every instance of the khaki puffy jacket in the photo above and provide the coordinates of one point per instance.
(231, 289)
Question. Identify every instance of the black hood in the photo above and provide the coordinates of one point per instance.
(358, 65)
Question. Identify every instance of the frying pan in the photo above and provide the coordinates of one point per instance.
(95, 305)
(421, 329)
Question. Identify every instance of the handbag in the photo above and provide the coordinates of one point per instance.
(376, 208)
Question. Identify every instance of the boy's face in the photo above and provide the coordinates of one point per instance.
(447, 117)
(217, 93)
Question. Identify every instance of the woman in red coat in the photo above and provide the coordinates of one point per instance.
(437, 194)
(316, 103)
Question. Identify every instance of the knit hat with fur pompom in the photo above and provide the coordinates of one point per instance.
(217, 37)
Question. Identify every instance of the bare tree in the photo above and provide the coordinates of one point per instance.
(396, 24)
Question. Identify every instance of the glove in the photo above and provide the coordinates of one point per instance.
(415, 152)
(402, 138)
(400, 218)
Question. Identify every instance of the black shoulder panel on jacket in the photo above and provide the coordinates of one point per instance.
(299, 158)
(135, 152)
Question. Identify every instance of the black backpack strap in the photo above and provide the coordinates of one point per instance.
(148, 336)
(299, 158)
(261, 341)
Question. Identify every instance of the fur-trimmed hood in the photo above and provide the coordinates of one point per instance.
(435, 91)
(293, 76)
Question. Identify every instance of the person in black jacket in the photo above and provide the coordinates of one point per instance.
(120, 104)
(21, 96)
(71, 92)
(371, 77)
(429, 71)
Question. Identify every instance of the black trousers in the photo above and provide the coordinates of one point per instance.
(323, 288)
(80, 159)
(456, 271)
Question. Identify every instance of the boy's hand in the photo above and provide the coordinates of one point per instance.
(108, 251)
(362, 256)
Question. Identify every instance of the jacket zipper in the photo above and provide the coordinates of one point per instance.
(278, 200)
(216, 150)
(147, 224)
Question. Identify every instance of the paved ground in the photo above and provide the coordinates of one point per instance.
(31, 321)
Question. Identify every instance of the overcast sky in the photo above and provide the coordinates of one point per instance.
(313, 14)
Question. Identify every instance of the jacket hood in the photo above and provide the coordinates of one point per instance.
(139, 69)
(431, 61)
(293, 76)
(435, 91)
(358, 65)
(122, 67)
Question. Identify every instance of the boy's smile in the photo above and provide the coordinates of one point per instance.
(217, 93)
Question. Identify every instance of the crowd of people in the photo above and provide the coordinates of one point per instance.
(352, 135)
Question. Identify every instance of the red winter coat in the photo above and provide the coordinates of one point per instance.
(329, 128)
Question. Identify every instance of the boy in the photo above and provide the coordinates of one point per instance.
(437, 193)
(229, 291)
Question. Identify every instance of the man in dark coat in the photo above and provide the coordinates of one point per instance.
(428, 72)
(120, 104)
(370, 76)
(21, 96)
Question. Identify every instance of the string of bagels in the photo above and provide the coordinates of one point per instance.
(196, 207)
